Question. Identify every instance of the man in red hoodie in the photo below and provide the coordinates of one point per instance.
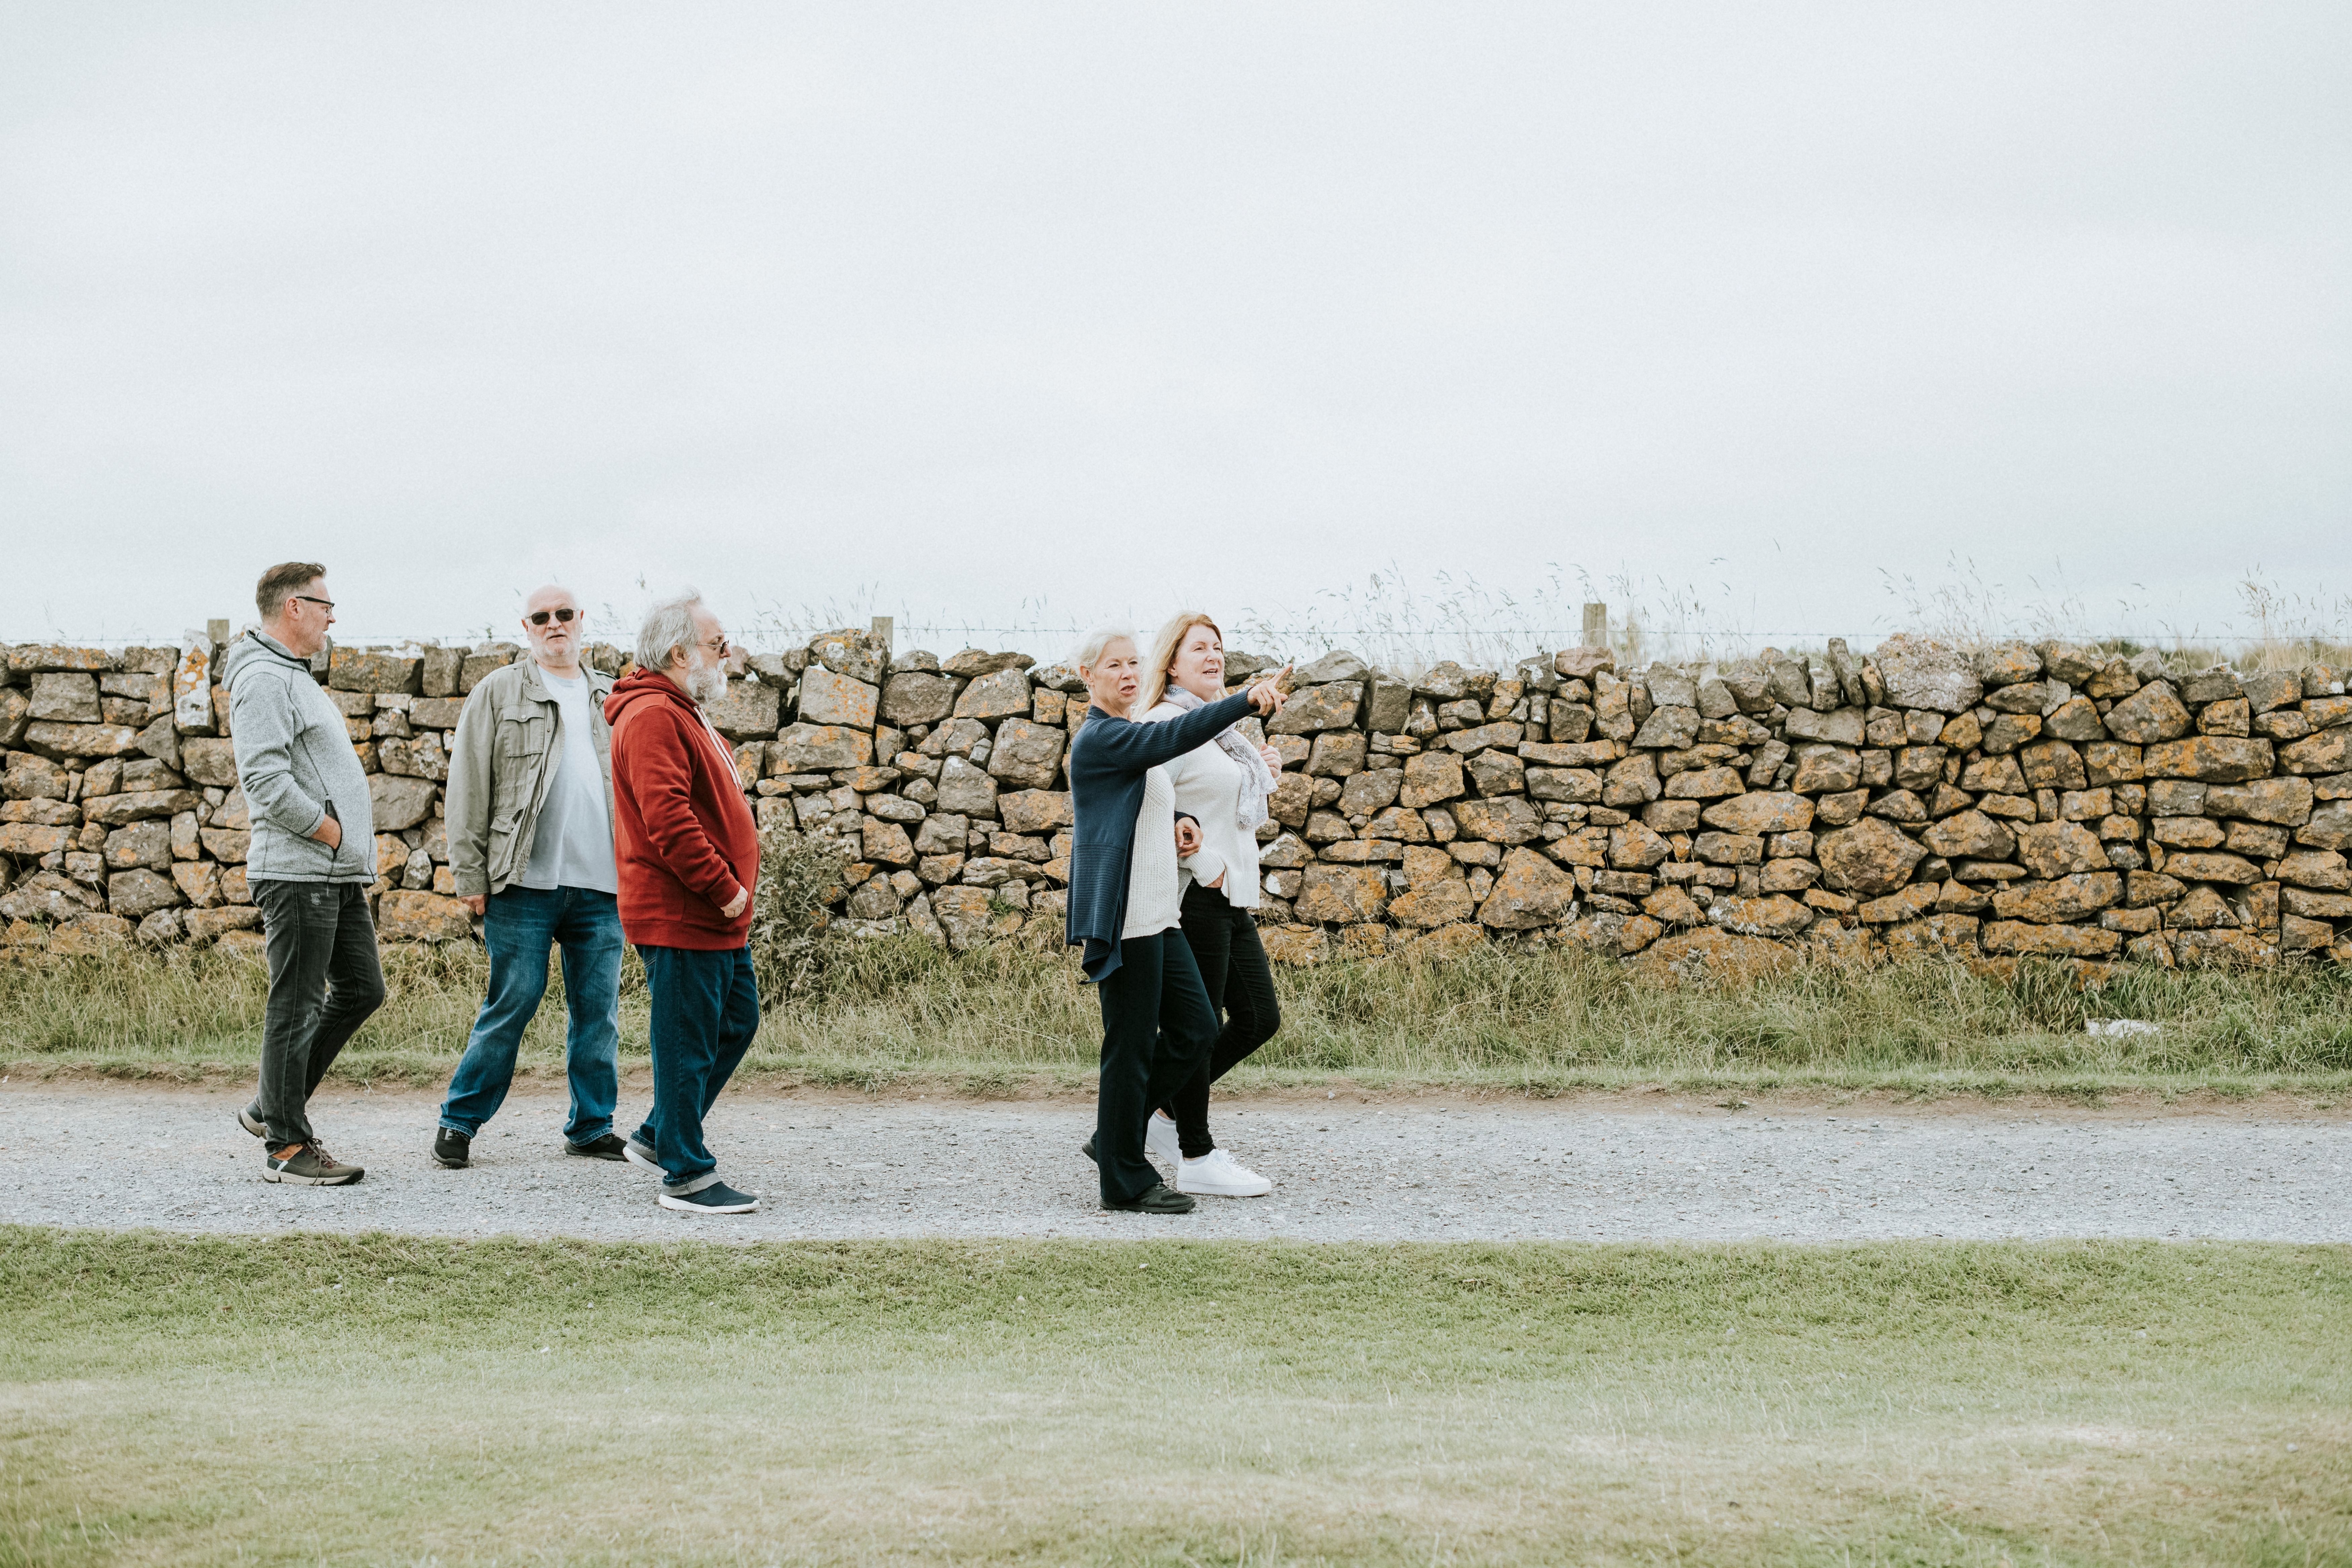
(689, 856)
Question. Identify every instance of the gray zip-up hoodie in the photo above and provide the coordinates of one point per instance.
(295, 764)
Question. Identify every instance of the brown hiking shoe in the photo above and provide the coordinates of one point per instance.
(308, 1165)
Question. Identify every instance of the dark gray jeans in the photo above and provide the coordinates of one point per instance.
(324, 981)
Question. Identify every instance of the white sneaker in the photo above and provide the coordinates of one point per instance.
(1218, 1174)
(1159, 1140)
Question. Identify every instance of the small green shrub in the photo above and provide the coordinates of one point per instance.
(790, 926)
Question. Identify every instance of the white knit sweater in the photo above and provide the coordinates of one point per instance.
(1152, 892)
(1208, 789)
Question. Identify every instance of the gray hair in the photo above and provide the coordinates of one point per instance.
(668, 626)
(1090, 650)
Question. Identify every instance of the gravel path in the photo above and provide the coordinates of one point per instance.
(124, 1157)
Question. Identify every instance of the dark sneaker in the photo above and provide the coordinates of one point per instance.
(454, 1151)
(609, 1147)
(252, 1123)
(720, 1198)
(637, 1151)
(321, 1150)
(1159, 1198)
(308, 1165)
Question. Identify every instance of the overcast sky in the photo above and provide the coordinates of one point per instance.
(1021, 314)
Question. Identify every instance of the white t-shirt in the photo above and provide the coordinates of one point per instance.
(1152, 897)
(572, 844)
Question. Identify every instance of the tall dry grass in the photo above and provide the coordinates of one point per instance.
(876, 1011)
(1406, 619)
(1498, 1014)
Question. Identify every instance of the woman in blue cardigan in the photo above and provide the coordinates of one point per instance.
(1157, 1020)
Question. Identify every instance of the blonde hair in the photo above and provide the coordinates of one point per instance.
(1163, 654)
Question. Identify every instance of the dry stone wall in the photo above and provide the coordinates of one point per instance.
(2049, 801)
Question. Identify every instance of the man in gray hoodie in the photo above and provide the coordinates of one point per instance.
(311, 861)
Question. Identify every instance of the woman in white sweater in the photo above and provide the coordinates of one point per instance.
(1224, 785)
(1158, 1022)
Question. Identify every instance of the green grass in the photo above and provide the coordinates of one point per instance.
(372, 1400)
(899, 1012)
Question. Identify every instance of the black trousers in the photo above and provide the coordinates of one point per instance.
(1157, 1029)
(1240, 982)
(324, 981)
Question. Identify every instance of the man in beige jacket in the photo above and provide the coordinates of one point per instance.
(531, 844)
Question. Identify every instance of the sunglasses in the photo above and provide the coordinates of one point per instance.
(327, 604)
(564, 616)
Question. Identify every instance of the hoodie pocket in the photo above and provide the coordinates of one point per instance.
(344, 849)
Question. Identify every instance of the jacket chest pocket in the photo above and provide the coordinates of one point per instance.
(524, 735)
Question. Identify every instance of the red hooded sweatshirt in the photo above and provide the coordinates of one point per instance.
(682, 833)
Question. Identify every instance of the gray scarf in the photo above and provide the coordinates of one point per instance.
(1255, 783)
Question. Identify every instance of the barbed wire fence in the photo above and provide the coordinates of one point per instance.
(1393, 622)
(1495, 647)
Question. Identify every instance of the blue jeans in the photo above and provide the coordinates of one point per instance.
(518, 926)
(705, 1010)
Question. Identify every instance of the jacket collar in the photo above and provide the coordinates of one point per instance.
(272, 645)
(600, 685)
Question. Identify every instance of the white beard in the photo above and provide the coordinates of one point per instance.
(707, 684)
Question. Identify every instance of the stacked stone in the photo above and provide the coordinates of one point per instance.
(2052, 801)
(122, 817)
(2049, 801)
(938, 781)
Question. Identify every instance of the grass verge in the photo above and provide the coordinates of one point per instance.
(898, 1011)
(312, 1398)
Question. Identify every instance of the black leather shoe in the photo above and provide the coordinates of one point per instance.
(1160, 1198)
(1089, 1150)
(609, 1147)
(454, 1151)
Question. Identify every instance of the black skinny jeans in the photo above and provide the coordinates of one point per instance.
(324, 981)
(1157, 1028)
(1239, 981)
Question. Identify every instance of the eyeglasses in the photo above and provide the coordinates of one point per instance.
(326, 605)
(718, 647)
(564, 616)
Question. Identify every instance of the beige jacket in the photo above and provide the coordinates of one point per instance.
(508, 739)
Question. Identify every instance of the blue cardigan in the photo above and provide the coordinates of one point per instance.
(1107, 762)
